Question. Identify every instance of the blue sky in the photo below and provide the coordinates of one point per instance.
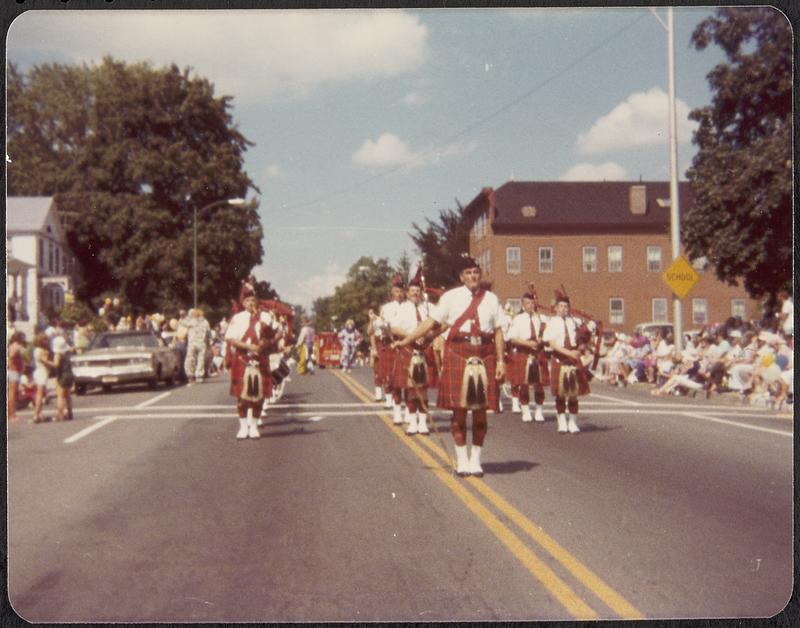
(367, 121)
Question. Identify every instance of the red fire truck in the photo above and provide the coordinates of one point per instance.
(327, 349)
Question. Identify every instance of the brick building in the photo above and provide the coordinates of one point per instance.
(607, 242)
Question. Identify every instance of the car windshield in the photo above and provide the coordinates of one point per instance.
(116, 341)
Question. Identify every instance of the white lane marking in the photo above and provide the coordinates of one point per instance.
(266, 416)
(316, 418)
(277, 405)
(150, 402)
(88, 430)
(746, 426)
(627, 402)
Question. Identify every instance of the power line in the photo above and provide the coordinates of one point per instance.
(478, 123)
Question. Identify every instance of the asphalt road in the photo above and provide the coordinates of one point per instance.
(146, 508)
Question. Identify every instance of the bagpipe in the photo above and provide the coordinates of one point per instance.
(418, 366)
(589, 334)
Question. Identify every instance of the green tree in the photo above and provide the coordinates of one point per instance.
(366, 286)
(441, 245)
(130, 152)
(742, 173)
(264, 290)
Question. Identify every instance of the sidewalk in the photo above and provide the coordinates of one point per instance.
(731, 398)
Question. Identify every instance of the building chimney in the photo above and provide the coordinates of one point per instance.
(638, 200)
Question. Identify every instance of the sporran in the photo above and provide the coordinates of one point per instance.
(474, 385)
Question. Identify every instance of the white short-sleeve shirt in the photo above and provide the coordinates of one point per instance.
(406, 318)
(240, 322)
(389, 312)
(556, 330)
(454, 303)
(521, 325)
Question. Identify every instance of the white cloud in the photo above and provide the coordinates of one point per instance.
(389, 150)
(274, 171)
(641, 120)
(322, 284)
(608, 171)
(253, 55)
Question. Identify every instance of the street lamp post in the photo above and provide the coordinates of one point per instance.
(227, 201)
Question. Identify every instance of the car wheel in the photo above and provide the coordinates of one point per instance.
(154, 382)
(106, 387)
(80, 389)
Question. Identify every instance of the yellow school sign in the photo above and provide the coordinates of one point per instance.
(680, 277)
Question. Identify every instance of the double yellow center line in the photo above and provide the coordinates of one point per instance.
(434, 457)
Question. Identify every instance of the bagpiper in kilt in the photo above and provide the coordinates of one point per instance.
(527, 361)
(568, 377)
(388, 354)
(472, 362)
(412, 372)
(250, 335)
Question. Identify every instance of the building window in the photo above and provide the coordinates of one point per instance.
(660, 310)
(545, 259)
(653, 259)
(513, 260)
(485, 261)
(41, 253)
(615, 259)
(738, 308)
(616, 311)
(699, 312)
(58, 261)
(479, 229)
(50, 256)
(515, 305)
(590, 259)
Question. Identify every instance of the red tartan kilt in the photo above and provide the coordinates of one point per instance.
(402, 361)
(453, 363)
(237, 376)
(401, 364)
(387, 359)
(433, 373)
(583, 379)
(516, 368)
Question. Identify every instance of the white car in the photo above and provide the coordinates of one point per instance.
(123, 357)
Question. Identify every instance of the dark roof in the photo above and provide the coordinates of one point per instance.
(591, 204)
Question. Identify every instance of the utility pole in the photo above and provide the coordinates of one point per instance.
(674, 205)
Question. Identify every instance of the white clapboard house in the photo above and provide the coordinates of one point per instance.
(39, 264)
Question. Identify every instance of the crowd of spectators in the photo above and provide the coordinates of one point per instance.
(753, 359)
